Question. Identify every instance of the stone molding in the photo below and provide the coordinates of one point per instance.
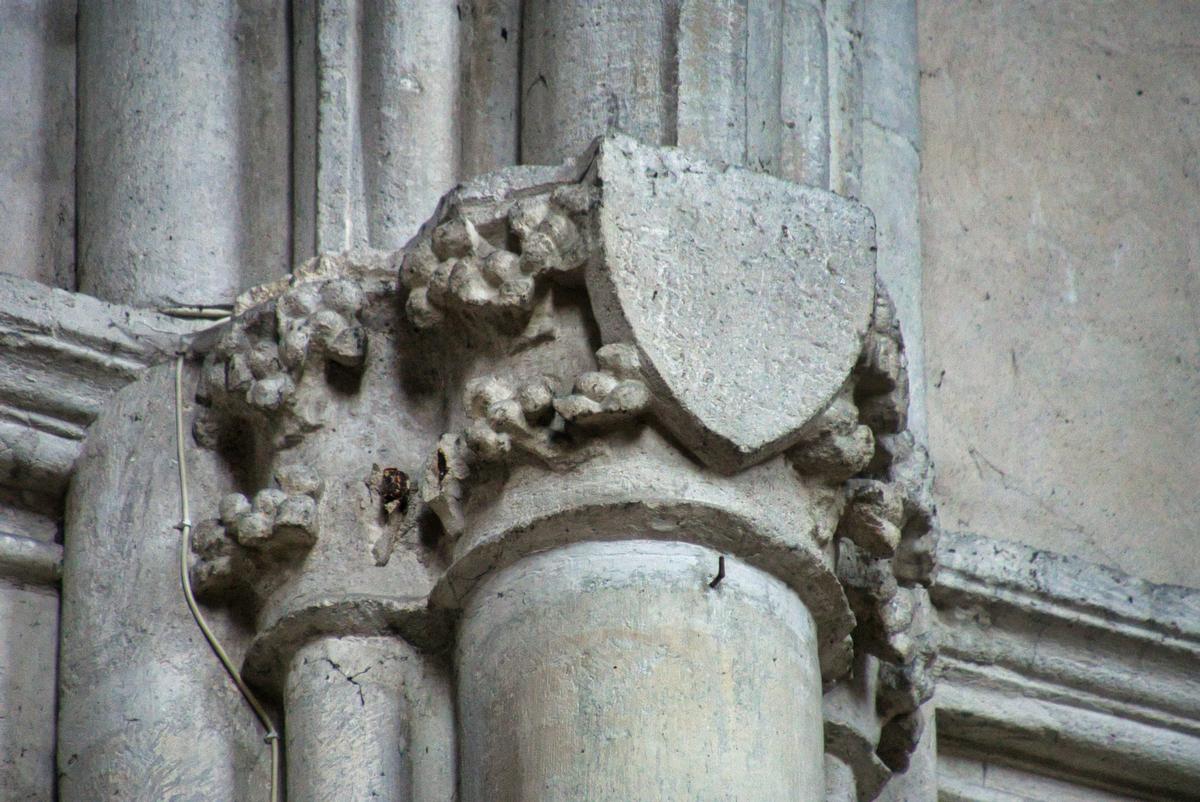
(1067, 668)
(64, 355)
(26, 561)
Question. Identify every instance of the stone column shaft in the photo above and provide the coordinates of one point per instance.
(735, 81)
(375, 122)
(367, 719)
(613, 671)
(183, 149)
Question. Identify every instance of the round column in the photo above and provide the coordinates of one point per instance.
(367, 718)
(589, 68)
(740, 83)
(615, 671)
(183, 149)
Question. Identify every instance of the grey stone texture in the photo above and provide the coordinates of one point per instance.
(1061, 235)
(37, 141)
(747, 297)
(145, 708)
(475, 507)
(376, 88)
(63, 356)
(369, 719)
(28, 623)
(734, 82)
(591, 672)
(1067, 668)
(365, 467)
(183, 151)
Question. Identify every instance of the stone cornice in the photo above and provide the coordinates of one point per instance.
(63, 355)
(1068, 668)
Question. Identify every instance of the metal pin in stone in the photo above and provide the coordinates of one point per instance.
(720, 572)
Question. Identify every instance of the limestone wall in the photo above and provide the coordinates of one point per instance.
(1060, 247)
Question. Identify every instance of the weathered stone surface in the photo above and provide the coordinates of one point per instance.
(611, 650)
(747, 297)
(28, 648)
(533, 422)
(369, 718)
(183, 159)
(1063, 343)
(146, 706)
(1067, 667)
(230, 554)
(737, 83)
(375, 93)
(37, 140)
(269, 365)
(490, 262)
(28, 561)
(63, 356)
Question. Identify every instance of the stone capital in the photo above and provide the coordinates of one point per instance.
(636, 346)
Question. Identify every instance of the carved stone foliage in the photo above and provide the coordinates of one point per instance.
(643, 314)
(252, 536)
(267, 368)
(533, 421)
(886, 536)
(490, 265)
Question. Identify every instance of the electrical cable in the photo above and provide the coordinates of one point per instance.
(185, 527)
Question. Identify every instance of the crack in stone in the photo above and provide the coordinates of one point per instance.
(351, 678)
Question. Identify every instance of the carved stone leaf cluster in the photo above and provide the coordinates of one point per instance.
(252, 534)
(487, 263)
(503, 279)
(886, 536)
(532, 420)
(257, 367)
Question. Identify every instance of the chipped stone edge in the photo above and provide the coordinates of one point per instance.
(66, 354)
(1067, 668)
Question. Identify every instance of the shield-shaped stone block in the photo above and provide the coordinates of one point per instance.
(747, 296)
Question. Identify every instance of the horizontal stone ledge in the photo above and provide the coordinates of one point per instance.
(28, 561)
(1067, 667)
(995, 722)
(977, 568)
(64, 355)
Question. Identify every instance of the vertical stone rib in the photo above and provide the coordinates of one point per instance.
(183, 149)
(409, 134)
(376, 130)
(589, 67)
(891, 167)
(738, 81)
(489, 112)
(712, 79)
(804, 95)
(843, 20)
(764, 85)
(37, 137)
(328, 208)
